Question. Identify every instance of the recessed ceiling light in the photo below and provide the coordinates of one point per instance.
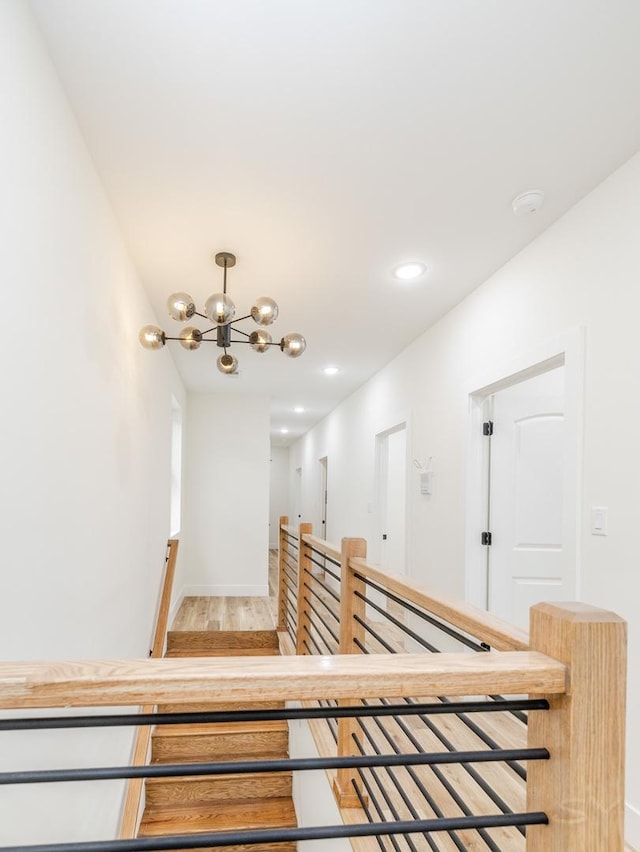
(284, 430)
(330, 371)
(408, 271)
(299, 409)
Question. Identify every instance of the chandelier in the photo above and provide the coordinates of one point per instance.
(221, 310)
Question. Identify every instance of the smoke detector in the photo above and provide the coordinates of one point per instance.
(528, 202)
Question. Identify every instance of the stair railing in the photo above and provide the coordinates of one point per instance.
(375, 679)
(572, 668)
(133, 796)
(348, 606)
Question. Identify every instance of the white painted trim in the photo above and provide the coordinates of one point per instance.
(632, 826)
(567, 348)
(220, 591)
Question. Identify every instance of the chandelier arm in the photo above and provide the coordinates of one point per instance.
(239, 331)
(198, 314)
(248, 316)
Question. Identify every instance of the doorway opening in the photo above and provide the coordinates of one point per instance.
(297, 497)
(391, 455)
(323, 498)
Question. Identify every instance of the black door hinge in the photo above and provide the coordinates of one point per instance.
(486, 538)
(487, 427)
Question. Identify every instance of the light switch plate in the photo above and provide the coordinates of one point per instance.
(599, 520)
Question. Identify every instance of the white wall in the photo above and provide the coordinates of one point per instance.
(312, 795)
(582, 272)
(226, 509)
(84, 432)
(278, 491)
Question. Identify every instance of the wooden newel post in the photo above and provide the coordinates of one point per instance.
(304, 566)
(581, 786)
(282, 586)
(351, 632)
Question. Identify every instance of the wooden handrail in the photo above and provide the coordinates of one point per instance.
(131, 807)
(85, 683)
(162, 620)
(289, 529)
(322, 546)
(499, 634)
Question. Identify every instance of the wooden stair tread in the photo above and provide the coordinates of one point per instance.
(221, 757)
(210, 707)
(260, 847)
(242, 847)
(172, 653)
(202, 790)
(221, 728)
(259, 813)
(215, 639)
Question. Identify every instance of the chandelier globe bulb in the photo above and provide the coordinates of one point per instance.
(264, 310)
(293, 344)
(190, 338)
(260, 340)
(181, 306)
(152, 337)
(220, 308)
(227, 364)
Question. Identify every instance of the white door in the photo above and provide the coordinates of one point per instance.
(526, 559)
(392, 455)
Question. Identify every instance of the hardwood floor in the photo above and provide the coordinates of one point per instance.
(235, 613)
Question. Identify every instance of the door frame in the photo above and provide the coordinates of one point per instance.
(324, 498)
(381, 462)
(568, 350)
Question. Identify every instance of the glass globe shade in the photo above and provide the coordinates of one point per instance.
(264, 310)
(260, 340)
(180, 306)
(190, 337)
(152, 337)
(293, 345)
(220, 308)
(227, 363)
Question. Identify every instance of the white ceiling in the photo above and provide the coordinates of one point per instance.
(325, 141)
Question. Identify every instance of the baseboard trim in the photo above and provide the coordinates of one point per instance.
(215, 591)
(632, 826)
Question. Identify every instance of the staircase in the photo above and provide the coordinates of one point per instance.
(186, 805)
